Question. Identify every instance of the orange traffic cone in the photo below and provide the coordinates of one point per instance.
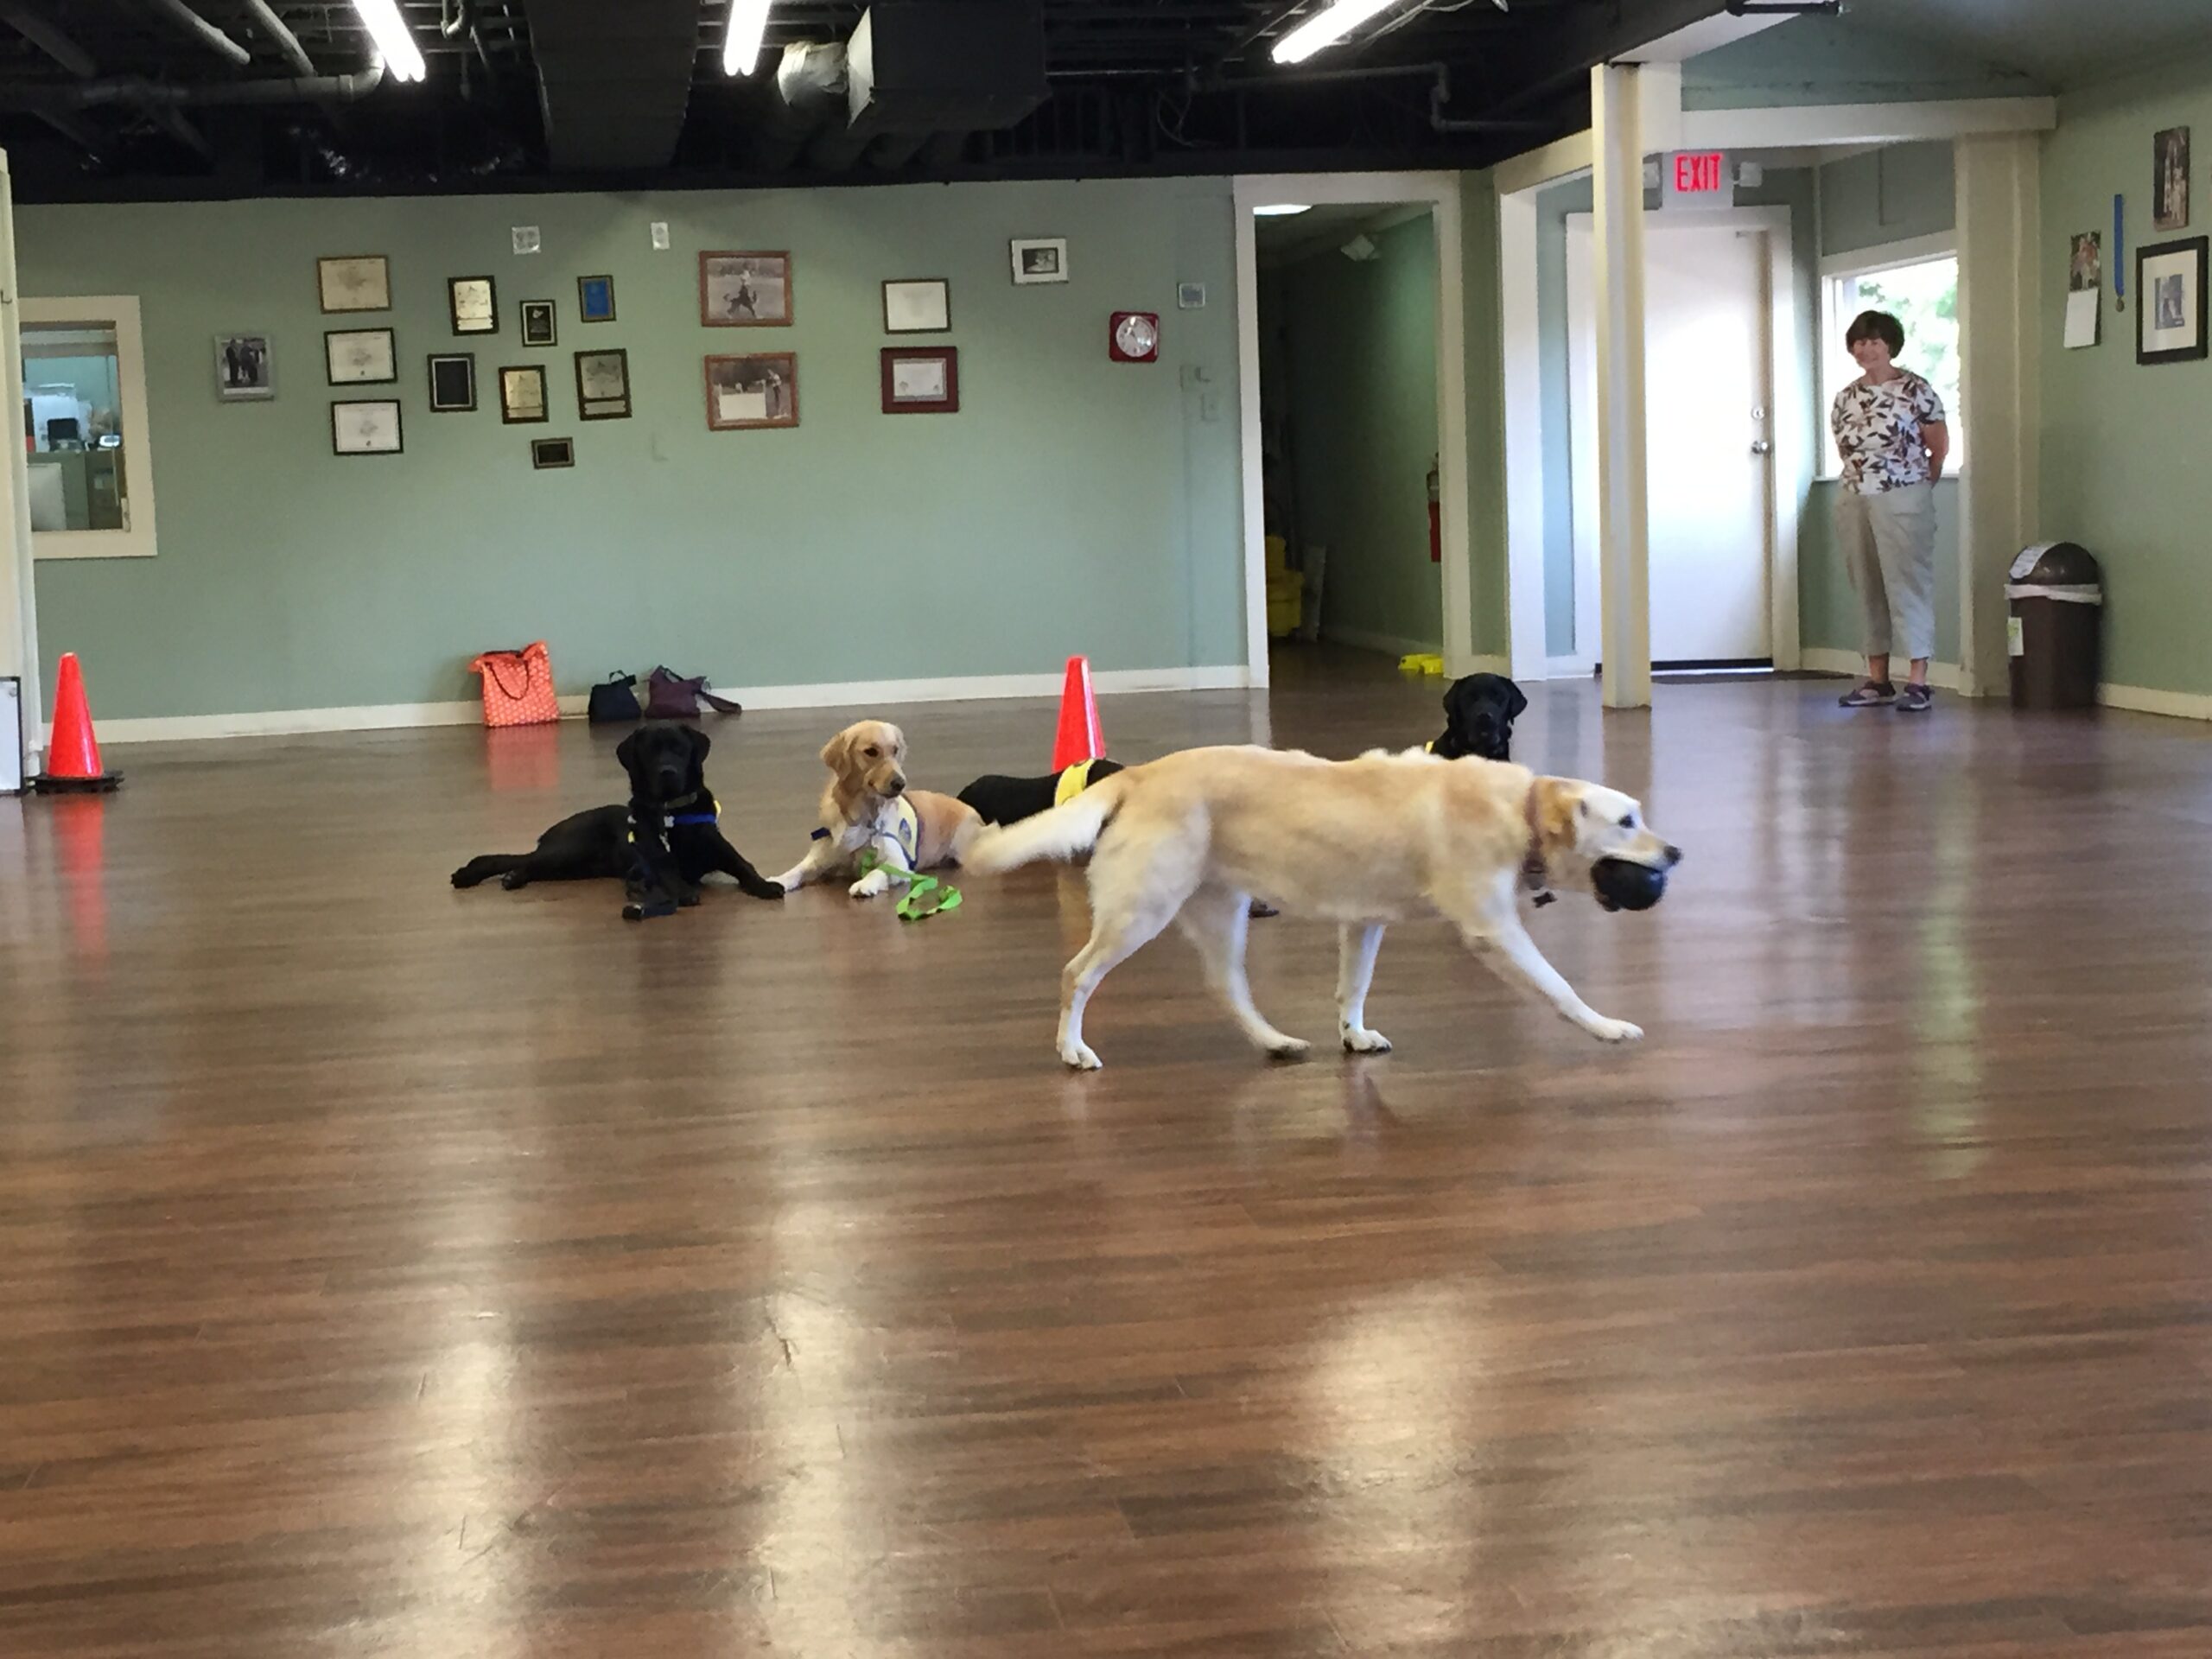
(73, 759)
(1080, 738)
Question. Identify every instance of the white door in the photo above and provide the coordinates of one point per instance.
(1708, 438)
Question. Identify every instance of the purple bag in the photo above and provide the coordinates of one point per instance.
(669, 696)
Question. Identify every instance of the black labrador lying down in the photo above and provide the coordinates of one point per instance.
(660, 844)
(1479, 712)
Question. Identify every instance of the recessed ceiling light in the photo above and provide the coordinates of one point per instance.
(1283, 209)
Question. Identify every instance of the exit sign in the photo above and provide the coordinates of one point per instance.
(1696, 178)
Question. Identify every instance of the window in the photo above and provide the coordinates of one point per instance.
(90, 468)
(1920, 292)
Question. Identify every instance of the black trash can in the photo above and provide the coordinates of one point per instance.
(2058, 595)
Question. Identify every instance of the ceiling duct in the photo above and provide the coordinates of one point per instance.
(938, 66)
(613, 81)
(809, 94)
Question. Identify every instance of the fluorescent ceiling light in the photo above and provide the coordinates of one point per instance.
(1282, 209)
(748, 21)
(388, 31)
(1328, 28)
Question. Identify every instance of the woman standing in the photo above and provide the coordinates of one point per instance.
(1890, 432)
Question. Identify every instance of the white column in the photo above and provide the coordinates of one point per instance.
(1624, 542)
(1998, 186)
(18, 600)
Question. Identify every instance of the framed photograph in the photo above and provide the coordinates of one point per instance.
(366, 428)
(761, 389)
(921, 381)
(359, 357)
(2169, 179)
(2169, 301)
(603, 385)
(552, 452)
(522, 395)
(452, 382)
(595, 299)
(921, 305)
(537, 328)
(243, 370)
(474, 305)
(1040, 259)
(354, 281)
(744, 290)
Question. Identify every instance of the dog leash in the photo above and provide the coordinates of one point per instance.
(926, 895)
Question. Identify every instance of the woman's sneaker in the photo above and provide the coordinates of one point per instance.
(1869, 694)
(1915, 700)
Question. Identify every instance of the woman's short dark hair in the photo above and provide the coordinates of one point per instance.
(1875, 325)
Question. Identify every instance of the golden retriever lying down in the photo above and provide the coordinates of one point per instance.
(1366, 843)
(868, 806)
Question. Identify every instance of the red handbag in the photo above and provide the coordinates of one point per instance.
(518, 686)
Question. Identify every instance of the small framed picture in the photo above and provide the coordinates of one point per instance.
(595, 299)
(537, 328)
(452, 382)
(758, 390)
(366, 428)
(1040, 259)
(244, 371)
(2169, 301)
(744, 290)
(474, 304)
(603, 385)
(2169, 179)
(920, 305)
(552, 452)
(354, 281)
(522, 395)
(921, 381)
(359, 357)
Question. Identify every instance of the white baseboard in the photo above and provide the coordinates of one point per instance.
(390, 716)
(2142, 700)
(1819, 660)
(1362, 640)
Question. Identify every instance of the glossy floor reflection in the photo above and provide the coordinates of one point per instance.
(390, 1271)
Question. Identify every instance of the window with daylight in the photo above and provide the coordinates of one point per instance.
(1922, 294)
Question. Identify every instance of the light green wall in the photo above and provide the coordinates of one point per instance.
(1357, 342)
(1890, 195)
(1074, 505)
(1839, 60)
(2123, 447)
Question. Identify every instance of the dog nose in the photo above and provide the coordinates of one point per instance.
(1674, 856)
(896, 786)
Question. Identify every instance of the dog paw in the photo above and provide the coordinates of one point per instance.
(1359, 1039)
(1079, 1057)
(868, 886)
(689, 898)
(1287, 1048)
(1617, 1031)
(514, 879)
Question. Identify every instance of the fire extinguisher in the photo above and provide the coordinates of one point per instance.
(1435, 513)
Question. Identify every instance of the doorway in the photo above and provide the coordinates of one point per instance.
(1710, 429)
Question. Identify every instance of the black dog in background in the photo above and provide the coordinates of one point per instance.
(1479, 712)
(660, 844)
(1000, 799)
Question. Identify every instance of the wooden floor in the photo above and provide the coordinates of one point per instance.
(385, 1270)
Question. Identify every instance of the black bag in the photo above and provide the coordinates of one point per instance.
(614, 700)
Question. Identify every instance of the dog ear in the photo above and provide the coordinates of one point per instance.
(626, 752)
(700, 743)
(1517, 700)
(1454, 694)
(837, 752)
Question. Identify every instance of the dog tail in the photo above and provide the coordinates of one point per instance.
(1062, 832)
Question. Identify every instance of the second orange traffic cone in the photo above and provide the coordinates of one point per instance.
(1080, 738)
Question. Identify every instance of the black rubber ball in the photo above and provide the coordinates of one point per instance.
(1623, 885)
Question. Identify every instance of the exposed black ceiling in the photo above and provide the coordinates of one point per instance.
(105, 99)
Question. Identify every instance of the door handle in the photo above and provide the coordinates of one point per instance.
(1761, 447)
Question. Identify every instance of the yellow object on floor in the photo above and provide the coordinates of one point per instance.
(1286, 603)
(1422, 662)
(1278, 555)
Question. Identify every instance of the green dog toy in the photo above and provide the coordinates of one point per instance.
(926, 895)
